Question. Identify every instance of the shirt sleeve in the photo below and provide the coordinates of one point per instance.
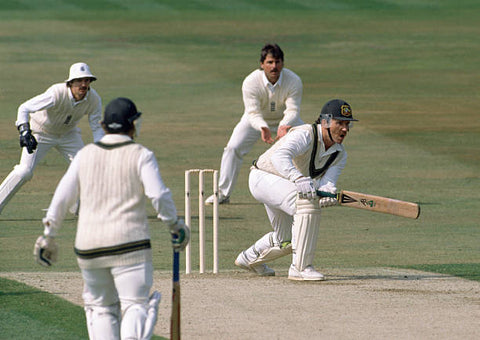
(295, 143)
(251, 100)
(66, 194)
(155, 189)
(37, 103)
(292, 103)
(94, 119)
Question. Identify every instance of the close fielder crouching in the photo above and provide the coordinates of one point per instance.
(112, 178)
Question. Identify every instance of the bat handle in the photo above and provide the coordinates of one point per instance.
(326, 194)
(176, 266)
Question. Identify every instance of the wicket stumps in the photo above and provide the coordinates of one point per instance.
(201, 218)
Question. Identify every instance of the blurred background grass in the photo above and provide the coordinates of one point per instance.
(408, 68)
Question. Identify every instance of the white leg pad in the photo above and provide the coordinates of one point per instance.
(267, 249)
(139, 320)
(306, 225)
(133, 321)
(13, 183)
(103, 322)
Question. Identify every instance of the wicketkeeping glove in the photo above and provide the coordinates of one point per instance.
(26, 138)
(45, 251)
(305, 188)
(180, 235)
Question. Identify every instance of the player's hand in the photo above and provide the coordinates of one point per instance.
(45, 251)
(282, 131)
(267, 135)
(305, 188)
(26, 138)
(180, 235)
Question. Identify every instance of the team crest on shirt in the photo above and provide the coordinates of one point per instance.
(346, 110)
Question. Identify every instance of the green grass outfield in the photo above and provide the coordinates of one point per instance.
(408, 68)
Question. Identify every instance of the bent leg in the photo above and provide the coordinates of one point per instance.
(21, 173)
(276, 194)
(241, 142)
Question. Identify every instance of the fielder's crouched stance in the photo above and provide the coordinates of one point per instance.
(285, 179)
(113, 178)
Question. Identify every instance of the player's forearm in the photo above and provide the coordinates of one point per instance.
(40, 102)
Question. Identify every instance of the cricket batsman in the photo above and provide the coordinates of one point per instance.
(113, 178)
(285, 179)
(50, 120)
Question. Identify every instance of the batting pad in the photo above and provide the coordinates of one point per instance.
(306, 225)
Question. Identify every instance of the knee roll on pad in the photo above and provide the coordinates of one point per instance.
(305, 206)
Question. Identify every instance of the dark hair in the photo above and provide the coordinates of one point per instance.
(272, 49)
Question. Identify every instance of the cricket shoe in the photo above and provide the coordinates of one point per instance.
(260, 268)
(308, 274)
(221, 199)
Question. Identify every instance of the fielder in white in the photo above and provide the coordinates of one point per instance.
(113, 179)
(49, 120)
(286, 178)
(272, 96)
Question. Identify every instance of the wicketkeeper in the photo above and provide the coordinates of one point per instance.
(113, 178)
(285, 179)
(50, 120)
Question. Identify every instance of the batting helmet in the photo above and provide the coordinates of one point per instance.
(336, 109)
(119, 115)
(80, 70)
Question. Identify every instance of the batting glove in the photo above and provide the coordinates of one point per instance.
(328, 196)
(327, 202)
(45, 251)
(180, 235)
(26, 138)
(305, 188)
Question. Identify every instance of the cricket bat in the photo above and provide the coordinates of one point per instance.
(375, 203)
(175, 317)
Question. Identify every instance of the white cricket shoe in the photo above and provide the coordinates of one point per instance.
(260, 269)
(221, 199)
(308, 274)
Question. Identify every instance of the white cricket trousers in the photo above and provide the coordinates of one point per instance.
(279, 197)
(68, 145)
(243, 137)
(105, 288)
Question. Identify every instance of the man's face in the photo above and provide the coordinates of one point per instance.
(339, 130)
(272, 68)
(80, 87)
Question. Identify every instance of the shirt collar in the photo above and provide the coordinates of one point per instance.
(72, 99)
(114, 138)
(267, 83)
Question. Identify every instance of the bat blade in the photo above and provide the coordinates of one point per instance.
(378, 204)
(175, 317)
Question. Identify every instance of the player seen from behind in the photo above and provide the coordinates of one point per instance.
(113, 179)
